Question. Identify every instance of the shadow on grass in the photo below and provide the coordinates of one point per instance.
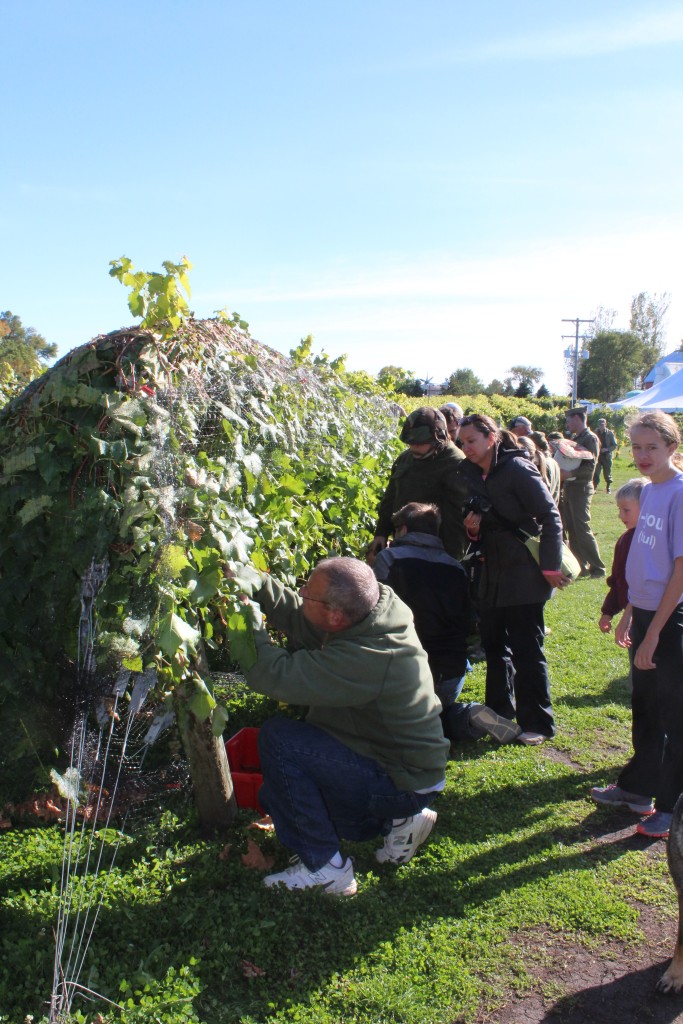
(220, 913)
(616, 692)
(631, 997)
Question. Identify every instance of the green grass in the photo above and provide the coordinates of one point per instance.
(443, 939)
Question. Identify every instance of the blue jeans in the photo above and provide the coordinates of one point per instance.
(455, 720)
(318, 791)
(448, 690)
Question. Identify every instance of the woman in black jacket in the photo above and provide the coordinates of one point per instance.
(508, 499)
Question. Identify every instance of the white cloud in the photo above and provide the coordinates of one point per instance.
(551, 268)
(630, 30)
(439, 313)
(651, 28)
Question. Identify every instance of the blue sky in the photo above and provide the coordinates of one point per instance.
(433, 185)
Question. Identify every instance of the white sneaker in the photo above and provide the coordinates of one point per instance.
(333, 881)
(405, 837)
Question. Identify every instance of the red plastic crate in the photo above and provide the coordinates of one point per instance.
(245, 767)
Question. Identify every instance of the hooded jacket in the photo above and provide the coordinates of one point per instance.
(369, 686)
(432, 480)
(436, 588)
(515, 489)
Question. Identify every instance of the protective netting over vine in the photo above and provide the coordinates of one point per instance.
(158, 465)
(143, 484)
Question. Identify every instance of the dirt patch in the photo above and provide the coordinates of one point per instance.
(555, 754)
(611, 983)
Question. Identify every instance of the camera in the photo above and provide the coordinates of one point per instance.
(478, 504)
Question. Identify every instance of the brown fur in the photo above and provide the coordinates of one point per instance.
(672, 980)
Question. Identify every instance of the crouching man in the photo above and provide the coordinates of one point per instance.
(371, 755)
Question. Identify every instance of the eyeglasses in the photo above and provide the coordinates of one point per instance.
(304, 596)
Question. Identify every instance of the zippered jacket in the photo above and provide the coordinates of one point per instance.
(369, 686)
(436, 588)
(434, 480)
(515, 488)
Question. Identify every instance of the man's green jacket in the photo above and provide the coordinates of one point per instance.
(369, 686)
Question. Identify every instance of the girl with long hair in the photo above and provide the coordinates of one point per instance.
(508, 499)
(652, 627)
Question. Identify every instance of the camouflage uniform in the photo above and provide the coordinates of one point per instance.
(432, 479)
(578, 493)
(608, 446)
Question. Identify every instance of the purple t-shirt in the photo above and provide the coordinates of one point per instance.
(657, 542)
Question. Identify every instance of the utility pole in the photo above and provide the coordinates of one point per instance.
(577, 320)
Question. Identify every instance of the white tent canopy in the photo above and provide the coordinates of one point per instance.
(667, 395)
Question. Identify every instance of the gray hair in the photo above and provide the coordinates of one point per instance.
(631, 490)
(351, 586)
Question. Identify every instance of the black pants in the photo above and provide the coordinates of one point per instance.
(656, 768)
(517, 683)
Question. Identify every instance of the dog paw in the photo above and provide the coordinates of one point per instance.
(671, 981)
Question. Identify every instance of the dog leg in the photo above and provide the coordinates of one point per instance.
(672, 980)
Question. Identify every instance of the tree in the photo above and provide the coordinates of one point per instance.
(389, 377)
(603, 320)
(647, 323)
(22, 349)
(521, 380)
(464, 382)
(496, 387)
(543, 392)
(614, 363)
(412, 387)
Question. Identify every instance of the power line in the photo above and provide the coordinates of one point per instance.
(577, 320)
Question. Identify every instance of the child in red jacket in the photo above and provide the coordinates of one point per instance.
(628, 503)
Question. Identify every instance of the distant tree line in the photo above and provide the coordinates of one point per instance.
(614, 360)
(520, 381)
(617, 361)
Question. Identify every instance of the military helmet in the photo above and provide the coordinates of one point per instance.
(423, 426)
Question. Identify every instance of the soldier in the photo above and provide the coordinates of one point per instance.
(578, 493)
(608, 446)
(428, 471)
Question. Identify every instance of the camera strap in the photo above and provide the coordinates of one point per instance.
(510, 526)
